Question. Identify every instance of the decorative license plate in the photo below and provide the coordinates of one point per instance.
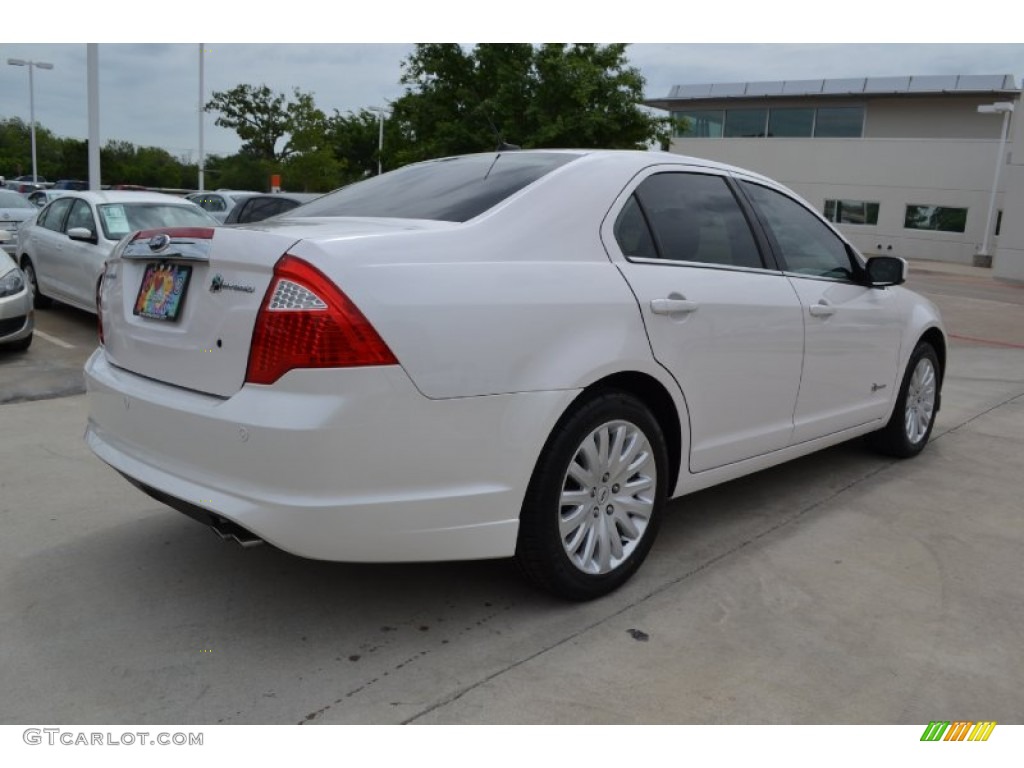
(162, 292)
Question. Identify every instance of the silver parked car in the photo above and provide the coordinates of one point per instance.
(14, 209)
(16, 318)
(220, 203)
(63, 249)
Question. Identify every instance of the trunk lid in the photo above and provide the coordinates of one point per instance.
(200, 338)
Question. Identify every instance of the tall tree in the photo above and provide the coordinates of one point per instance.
(554, 95)
(258, 115)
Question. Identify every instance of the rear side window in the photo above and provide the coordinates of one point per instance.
(454, 189)
(693, 217)
(211, 203)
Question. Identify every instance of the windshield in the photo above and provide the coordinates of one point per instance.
(9, 199)
(118, 219)
(453, 189)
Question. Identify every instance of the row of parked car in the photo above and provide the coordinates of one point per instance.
(54, 242)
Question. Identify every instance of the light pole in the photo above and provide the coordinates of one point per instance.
(381, 111)
(31, 102)
(1005, 108)
(202, 88)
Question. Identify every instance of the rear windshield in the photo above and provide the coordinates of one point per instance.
(453, 189)
(118, 219)
(9, 199)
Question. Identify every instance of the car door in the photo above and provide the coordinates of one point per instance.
(45, 243)
(84, 258)
(720, 317)
(853, 331)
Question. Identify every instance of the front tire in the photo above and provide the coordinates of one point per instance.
(38, 300)
(592, 508)
(917, 403)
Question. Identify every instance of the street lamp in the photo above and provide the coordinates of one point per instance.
(1005, 108)
(381, 111)
(31, 102)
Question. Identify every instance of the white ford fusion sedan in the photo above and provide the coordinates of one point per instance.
(516, 354)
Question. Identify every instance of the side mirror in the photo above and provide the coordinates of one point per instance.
(82, 233)
(886, 270)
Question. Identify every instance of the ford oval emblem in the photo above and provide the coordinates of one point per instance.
(159, 242)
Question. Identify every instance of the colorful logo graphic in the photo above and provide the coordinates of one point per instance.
(958, 730)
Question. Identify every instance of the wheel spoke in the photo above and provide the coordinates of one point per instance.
(614, 474)
(583, 475)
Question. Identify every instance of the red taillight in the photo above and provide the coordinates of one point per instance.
(306, 321)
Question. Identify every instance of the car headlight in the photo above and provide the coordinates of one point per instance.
(11, 283)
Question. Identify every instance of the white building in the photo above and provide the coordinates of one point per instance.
(903, 165)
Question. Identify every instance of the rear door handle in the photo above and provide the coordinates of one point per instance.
(821, 310)
(672, 306)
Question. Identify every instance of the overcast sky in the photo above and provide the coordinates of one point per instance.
(149, 93)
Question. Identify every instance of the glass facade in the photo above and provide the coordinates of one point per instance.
(839, 122)
(745, 123)
(699, 124)
(851, 212)
(936, 217)
(792, 122)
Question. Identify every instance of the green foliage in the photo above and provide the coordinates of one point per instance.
(554, 95)
(456, 101)
(259, 117)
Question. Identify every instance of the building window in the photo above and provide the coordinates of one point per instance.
(791, 122)
(745, 123)
(999, 222)
(839, 122)
(936, 217)
(700, 124)
(851, 212)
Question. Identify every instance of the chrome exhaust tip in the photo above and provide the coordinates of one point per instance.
(229, 531)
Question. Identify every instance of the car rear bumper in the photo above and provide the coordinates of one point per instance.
(352, 465)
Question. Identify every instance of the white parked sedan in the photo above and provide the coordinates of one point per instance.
(518, 354)
(63, 248)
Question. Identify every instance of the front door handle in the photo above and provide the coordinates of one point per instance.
(672, 306)
(821, 310)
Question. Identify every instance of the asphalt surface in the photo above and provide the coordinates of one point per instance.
(839, 588)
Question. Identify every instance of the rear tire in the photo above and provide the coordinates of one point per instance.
(912, 419)
(593, 506)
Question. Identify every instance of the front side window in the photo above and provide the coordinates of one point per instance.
(80, 217)
(745, 123)
(694, 217)
(53, 216)
(851, 212)
(936, 217)
(806, 244)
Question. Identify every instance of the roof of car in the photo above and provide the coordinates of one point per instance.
(127, 196)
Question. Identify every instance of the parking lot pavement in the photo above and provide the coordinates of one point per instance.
(52, 366)
(842, 587)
